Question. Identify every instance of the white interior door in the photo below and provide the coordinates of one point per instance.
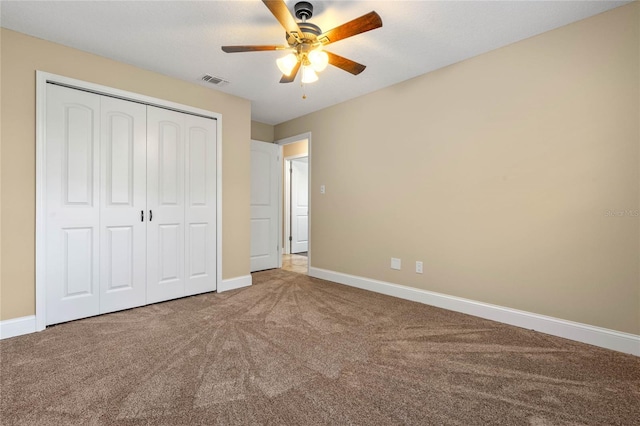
(200, 213)
(72, 214)
(123, 193)
(265, 172)
(165, 204)
(299, 205)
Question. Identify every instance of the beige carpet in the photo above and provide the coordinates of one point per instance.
(300, 351)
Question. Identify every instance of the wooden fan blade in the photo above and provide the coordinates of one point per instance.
(236, 49)
(365, 23)
(290, 78)
(284, 16)
(345, 64)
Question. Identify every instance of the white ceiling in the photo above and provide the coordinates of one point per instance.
(182, 39)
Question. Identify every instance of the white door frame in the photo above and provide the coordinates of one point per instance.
(287, 197)
(42, 78)
(294, 139)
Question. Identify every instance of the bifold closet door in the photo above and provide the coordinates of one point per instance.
(200, 202)
(130, 204)
(123, 193)
(165, 204)
(72, 215)
(181, 202)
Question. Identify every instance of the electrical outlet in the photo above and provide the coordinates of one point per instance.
(396, 263)
(322, 189)
(418, 267)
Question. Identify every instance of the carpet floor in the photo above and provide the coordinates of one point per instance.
(295, 350)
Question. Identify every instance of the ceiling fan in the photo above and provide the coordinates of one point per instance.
(306, 42)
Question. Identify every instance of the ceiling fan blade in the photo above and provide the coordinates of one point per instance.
(236, 49)
(284, 16)
(290, 78)
(345, 64)
(365, 23)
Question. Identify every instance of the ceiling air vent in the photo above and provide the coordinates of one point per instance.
(218, 81)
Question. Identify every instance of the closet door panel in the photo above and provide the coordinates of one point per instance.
(72, 205)
(165, 204)
(122, 204)
(200, 212)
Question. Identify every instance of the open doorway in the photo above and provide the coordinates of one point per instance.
(295, 218)
(296, 206)
(296, 215)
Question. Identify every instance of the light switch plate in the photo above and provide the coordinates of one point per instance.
(322, 189)
(396, 263)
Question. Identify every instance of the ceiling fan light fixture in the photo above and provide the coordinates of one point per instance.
(308, 75)
(319, 60)
(287, 63)
(306, 41)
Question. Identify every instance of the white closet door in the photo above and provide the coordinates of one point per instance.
(72, 204)
(123, 194)
(200, 201)
(165, 204)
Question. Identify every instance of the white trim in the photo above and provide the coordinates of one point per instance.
(294, 139)
(293, 157)
(287, 207)
(41, 119)
(17, 326)
(597, 336)
(123, 94)
(41, 102)
(280, 184)
(219, 228)
(235, 283)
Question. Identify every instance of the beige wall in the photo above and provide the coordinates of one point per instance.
(21, 57)
(296, 148)
(261, 131)
(497, 172)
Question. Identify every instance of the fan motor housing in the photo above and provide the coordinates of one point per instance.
(310, 33)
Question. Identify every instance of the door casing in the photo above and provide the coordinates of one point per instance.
(294, 139)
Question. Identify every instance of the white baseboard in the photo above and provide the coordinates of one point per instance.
(25, 325)
(597, 336)
(234, 283)
(17, 326)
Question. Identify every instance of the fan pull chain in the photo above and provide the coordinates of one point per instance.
(304, 95)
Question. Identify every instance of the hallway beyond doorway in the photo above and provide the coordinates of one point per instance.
(294, 263)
